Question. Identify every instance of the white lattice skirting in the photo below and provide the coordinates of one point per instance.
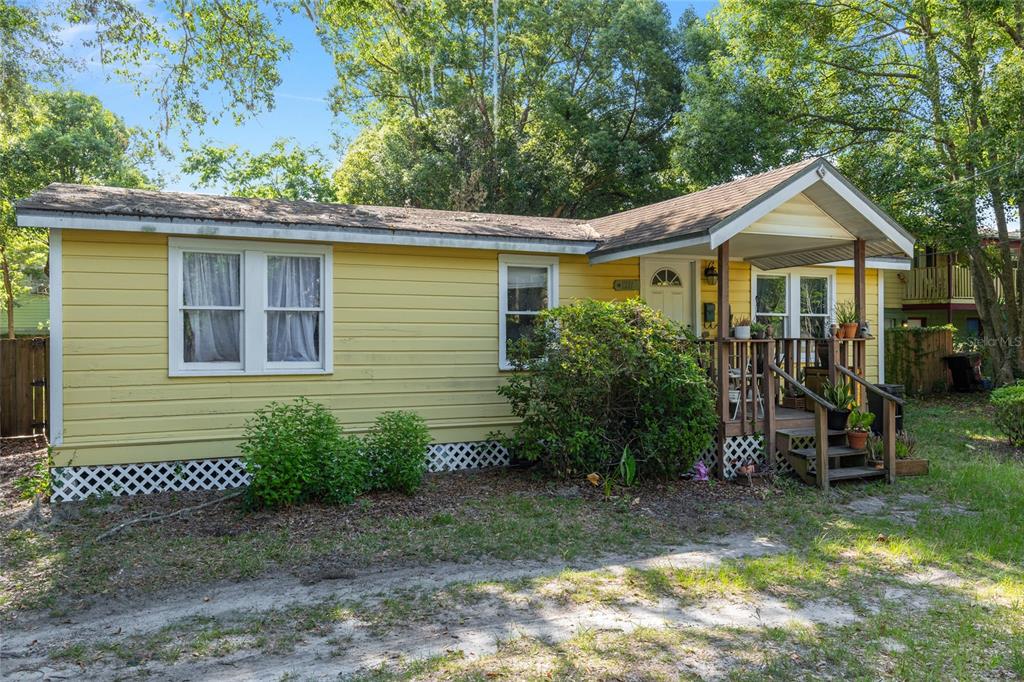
(739, 450)
(79, 483)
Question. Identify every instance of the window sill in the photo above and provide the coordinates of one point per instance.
(174, 373)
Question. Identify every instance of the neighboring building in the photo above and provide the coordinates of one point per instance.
(31, 315)
(937, 289)
(175, 316)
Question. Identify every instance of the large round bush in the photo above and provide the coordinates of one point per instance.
(606, 376)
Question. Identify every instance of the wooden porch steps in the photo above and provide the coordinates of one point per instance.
(849, 473)
(834, 452)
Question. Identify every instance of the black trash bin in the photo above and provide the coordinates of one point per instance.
(875, 404)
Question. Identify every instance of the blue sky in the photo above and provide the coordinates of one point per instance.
(301, 110)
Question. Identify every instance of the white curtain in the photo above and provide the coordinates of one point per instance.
(527, 288)
(293, 283)
(211, 280)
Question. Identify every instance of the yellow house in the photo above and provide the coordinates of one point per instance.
(175, 316)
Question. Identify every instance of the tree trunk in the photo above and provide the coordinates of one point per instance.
(1014, 320)
(1000, 352)
(5, 267)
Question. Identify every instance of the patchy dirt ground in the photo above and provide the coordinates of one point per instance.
(504, 575)
(484, 604)
(18, 458)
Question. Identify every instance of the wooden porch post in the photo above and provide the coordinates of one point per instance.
(859, 277)
(723, 355)
(859, 358)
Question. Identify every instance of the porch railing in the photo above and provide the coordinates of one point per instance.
(745, 385)
(942, 283)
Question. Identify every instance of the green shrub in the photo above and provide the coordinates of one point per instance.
(396, 446)
(296, 452)
(605, 378)
(1009, 404)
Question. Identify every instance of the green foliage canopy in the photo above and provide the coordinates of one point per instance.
(285, 171)
(585, 95)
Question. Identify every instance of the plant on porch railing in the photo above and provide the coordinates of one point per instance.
(606, 378)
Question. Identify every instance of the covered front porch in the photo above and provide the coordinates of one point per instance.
(784, 250)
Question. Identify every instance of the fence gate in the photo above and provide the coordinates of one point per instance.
(24, 377)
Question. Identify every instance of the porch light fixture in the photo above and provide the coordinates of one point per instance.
(711, 274)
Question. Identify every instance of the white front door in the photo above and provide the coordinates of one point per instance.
(668, 285)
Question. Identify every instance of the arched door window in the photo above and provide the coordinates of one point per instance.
(666, 278)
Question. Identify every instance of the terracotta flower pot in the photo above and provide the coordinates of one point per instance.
(848, 330)
(857, 439)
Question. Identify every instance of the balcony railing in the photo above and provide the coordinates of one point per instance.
(938, 284)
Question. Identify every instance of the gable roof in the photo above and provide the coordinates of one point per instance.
(690, 214)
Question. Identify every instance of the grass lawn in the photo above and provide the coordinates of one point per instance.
(921, 580)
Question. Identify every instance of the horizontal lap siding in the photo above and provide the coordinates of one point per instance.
(414, 328)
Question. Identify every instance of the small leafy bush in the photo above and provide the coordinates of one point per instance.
(296, 452)
(1009, 404)
(607, 378)
(36, 483)
(396, 447)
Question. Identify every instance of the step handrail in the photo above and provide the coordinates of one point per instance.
(888, 421)
(800, 387)
(870, 386)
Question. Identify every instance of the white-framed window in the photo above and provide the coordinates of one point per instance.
(238, 307)
(796, 303)
(526, 286)
(771, 303)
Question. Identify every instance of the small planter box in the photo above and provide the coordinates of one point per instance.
(911, 467)
(794, 402)
(906, 467)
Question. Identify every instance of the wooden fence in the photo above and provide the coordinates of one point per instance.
(24, 377)
(914, 358)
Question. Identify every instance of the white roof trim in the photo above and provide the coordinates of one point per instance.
(660, 247)
(816, 172)
(296, 232)
(875, 263)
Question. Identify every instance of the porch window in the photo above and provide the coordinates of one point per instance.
(771, 303)
(241, 308)
(527, 285)
(794, 304)
(814, 308)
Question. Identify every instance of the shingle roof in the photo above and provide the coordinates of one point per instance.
(689, 214)
(117, 201)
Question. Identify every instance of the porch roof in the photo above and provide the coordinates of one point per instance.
(698, 223)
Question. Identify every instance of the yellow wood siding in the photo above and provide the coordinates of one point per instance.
(414, 328)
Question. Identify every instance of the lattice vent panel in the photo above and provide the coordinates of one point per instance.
(739, 450)
(476, 455)
(79, 483)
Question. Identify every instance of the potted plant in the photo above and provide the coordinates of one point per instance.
(758, 330)
(858, 426)
(846, 318)
(741, 330)
(842, 396)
